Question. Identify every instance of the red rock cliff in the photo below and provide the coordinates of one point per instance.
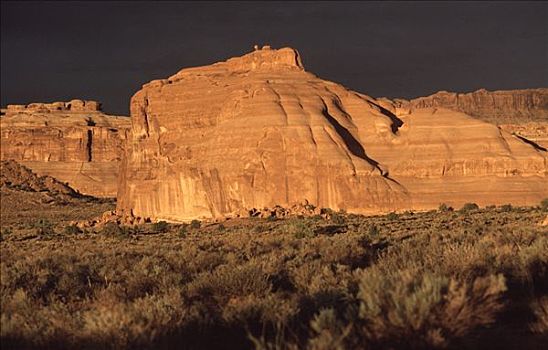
(71, 141)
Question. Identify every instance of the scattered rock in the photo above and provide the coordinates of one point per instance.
(301, 209)
(113, 216)
(16, 176)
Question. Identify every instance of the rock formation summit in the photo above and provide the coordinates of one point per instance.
(258, 131)
(74, 142)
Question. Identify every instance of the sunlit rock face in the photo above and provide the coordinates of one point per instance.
(498, 107)
(72, 141)
(258, 131)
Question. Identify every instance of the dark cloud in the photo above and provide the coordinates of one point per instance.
(107, 50)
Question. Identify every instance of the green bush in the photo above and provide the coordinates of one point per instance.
(540, 310)
(112, 229)
(392, 216)
(544, 204)
(72, 230)
(44, 227)
(195, 224)
(506, 208)
(468, 207)
(299, 228)
(444, 208)
(424, 309)
(183, 230)
(373, 231)
(160, 227)
(338, 219)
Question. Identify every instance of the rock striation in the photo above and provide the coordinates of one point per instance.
(75, 142)
(259, 131)
(497, 107)
(523, 113)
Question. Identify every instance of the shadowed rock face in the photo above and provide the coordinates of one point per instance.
(71, 141)
(258, 131)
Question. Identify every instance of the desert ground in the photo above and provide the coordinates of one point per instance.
(463, 278)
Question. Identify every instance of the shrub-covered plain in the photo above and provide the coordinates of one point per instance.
(443, 279)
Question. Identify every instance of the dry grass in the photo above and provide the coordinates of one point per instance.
(433, 280)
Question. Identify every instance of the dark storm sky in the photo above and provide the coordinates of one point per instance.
(106, 51)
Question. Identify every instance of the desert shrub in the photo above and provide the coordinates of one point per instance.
(132, 324)
(260, 228)
(195, 224)
(424, 309)
(227, 281)
(328, 331)
(44, 227)
(338, 218)
(5, 232)
(112, 229)
(299, 228)
(72, 230)
(540, 310)
(544, 204)
(183, 230)
(221, 228)
(444, 208)
(468, 207)
(330, 230)
(373, 231)
(506, 208)
(160, 227)
(392, 216)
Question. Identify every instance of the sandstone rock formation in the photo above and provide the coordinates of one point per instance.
(535, 133)
(72, 141)
(497, 107)
(523, 113)
(258, 131)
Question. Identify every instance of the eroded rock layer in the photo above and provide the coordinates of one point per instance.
(497, 107)
(71, 141)
(523, 113)
(259, 131)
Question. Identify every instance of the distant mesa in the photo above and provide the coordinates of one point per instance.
(71, 106)
(499, 107)
(258, 131)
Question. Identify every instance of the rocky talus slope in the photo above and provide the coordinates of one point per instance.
(72, 141)
(16, 177)
(259, 131)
